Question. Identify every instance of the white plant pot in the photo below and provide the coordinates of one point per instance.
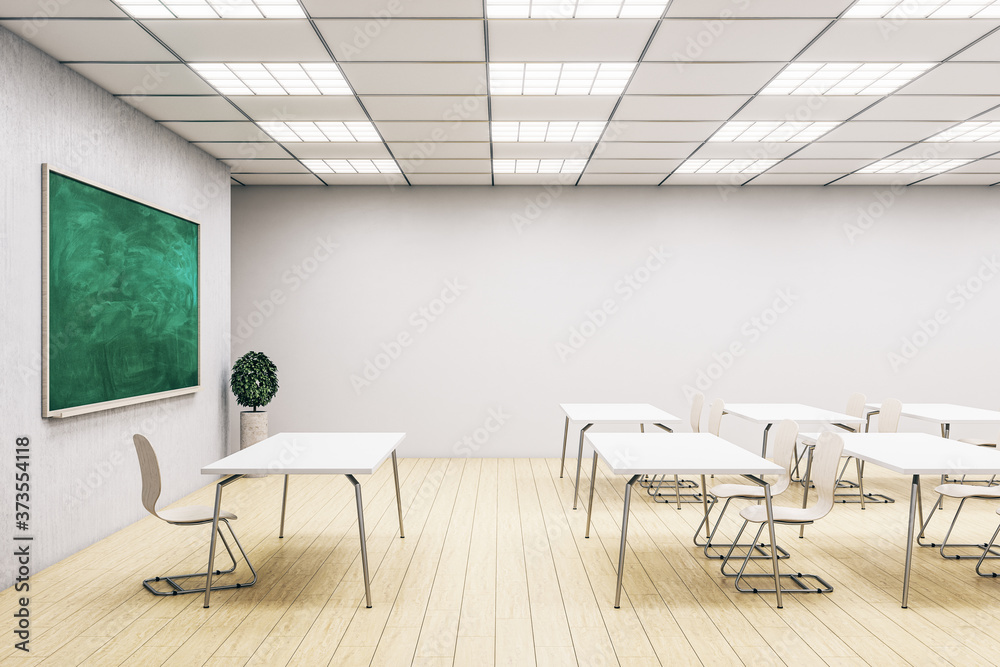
(253, 429)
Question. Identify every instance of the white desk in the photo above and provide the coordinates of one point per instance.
(287, 454)
(919, 454)
(944, 414)
(638, 454)
(608, 413)
(772, 413)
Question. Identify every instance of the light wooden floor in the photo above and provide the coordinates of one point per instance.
(494, 570)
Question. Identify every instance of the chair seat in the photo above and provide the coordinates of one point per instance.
(978, 442)
(758, 514)
(737, 491)
(192, 514)
(968, 491)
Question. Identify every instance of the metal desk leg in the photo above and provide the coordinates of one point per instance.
(945, 433)
(562, 463)
(215, 533)
(399, 503)
(914, 494)
(590, 505)
(774, 544)
(704, 503)
(763, 444)
(364, 545)
(621, 551)
(284, 502)
(579, 462)
(805, 489)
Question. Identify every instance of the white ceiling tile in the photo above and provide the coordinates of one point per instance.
(91, 39)
(679, 107)
(702, 78)
(337, 150)
(661, 167)
(594, 178)
(985, 50)
(951, 150)
(930, 107)
(979, 167)
(535, 179)
(880, 130)
(245, 150)
(300, 107)
(879, 179)
(405, 39)
(426, 107)
(758, 8)
(433, 131)
(162, 107)
(152, 79)
(445, 166)
(957, 79)
(850, 149)
(417, 78)
(266, 166)
(747, 150)
(529, 150)
(553, 107)
(242, 40)
(278, 179)
(380, 10)
(449, 179)
(67, 9)
(639, 130)
(951, 178)
(837, 167)
(644, 149)
(217, 131)
(772, 178)
(568, 40)
(730, 180)
(880, 40)
(691, 40)
(416, 151)
(990, 115)
(804, 108)
(364, 179)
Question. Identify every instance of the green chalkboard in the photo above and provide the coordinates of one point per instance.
(120, 299)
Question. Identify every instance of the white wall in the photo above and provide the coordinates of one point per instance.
(525, 287)
(84, 474)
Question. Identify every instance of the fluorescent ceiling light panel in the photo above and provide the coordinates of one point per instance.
(554, 131)
(274, 78)
(971, 131)
(212, 9)
(923, 9)
(569, 9)
(320, 131)
(725, 166)
(351, 166)
(772, 131)
(844, 78)
(917, 166)
(538, 166)
(559, 78)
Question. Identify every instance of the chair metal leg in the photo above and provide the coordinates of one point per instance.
(755, 548)
(364, 544)
(399, 502)
(178, 589)
(986, 549)
(562, 462)
(799, 580)
(579, 462)
(945, 545)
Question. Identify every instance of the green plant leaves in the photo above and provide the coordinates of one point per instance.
(254, 380)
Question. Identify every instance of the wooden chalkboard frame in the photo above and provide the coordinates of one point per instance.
(117, 403)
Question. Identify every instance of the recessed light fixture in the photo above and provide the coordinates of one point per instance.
(569, 9)
(539, 166)
(351, 166)
(274, 78)
(559, 78)
(361, 130)
(725, 166)
(922, 9)
(973, 130)
(772, 130)
(548, 131)
(916, 166)
(844, 78)
(212, 9)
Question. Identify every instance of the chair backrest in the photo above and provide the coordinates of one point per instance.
(783, 453)
(697, 403)
(888, 415)
(150, 469)
(825, 466)
(715, 410)
(856, 405)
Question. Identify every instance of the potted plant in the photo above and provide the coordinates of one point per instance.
(254, 382)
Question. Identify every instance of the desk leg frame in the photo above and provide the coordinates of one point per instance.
(215, 532)
(579, 464)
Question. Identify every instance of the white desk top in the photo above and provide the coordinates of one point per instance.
(945, 413)
(617, 413)
(771, 413)
(918, 453)
(310, 454)
(677, 454)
